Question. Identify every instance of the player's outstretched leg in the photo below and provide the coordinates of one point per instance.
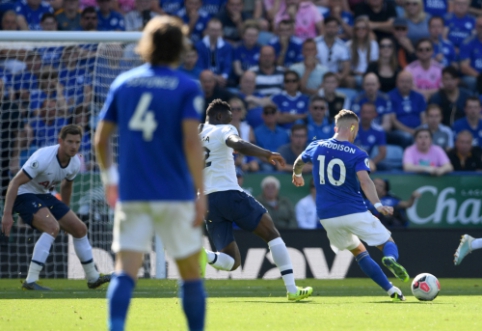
(71, 224)
(268, 232)
(373, 270)
(390, 250)
(466, 246)
(44, 221)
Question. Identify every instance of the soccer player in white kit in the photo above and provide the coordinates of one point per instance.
(228, 202)
(29, 195)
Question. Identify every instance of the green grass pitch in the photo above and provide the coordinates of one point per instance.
(348, 304)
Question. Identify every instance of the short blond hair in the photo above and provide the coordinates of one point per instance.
(344, 116)
(270, 180)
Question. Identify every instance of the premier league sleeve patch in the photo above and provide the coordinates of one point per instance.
(34, 164)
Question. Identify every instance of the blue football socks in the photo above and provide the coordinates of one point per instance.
(119, 296)
(373, 270)
(194, 303)
(390, 249)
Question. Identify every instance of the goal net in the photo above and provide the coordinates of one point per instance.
(47, 80)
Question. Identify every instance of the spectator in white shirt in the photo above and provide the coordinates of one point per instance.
(305, 210)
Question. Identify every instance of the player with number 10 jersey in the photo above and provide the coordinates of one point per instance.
(338, 165)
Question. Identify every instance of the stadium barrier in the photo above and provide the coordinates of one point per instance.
(421, 250)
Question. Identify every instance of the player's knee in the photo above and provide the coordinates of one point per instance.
(80, 230)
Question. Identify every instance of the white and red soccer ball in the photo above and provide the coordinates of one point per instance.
(425, 287)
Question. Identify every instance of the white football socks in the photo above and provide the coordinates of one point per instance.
(41, 252)
(220, 261)
(476, 244)
(83, 249)
(281, 258)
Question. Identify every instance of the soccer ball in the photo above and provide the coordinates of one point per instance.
(425, 287)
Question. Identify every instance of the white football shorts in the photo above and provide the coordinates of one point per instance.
(135, 224)
(345, 232)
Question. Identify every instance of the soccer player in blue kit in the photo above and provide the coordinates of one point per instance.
(337, 163)
(156, 110)
(228, 202)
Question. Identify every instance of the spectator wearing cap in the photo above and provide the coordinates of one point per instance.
(425, 157)
(464, 156)
(443, 49)
(30, 12)
(472, 121)
(450, 97)
(291, 103)
(318, 123)
(108, 19)
(305, 209)
(441, 135)
(381, 15)
(195, 18)
(332, 51)
(405, 51)
(280, 208)
(68, 17)
(287, 47)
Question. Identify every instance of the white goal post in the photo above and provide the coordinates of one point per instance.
(49, 79)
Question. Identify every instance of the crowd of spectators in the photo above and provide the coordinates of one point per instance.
(411, 70)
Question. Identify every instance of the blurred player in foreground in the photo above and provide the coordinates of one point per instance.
(466, 246)
(29, 195)
(337, 163)
(228, 202)
(156, 111)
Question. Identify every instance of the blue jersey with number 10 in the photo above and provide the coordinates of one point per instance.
(149, 104)
(335, 167)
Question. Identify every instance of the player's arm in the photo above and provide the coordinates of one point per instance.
(66, 190)
(7, 220)
(371, 193)
(298, 171)
(103, 151)
(195, 161)
(247, 148)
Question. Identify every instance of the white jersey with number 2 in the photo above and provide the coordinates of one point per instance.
(45, 171)
(219, 169)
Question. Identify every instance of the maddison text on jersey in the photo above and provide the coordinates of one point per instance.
(338, 147)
